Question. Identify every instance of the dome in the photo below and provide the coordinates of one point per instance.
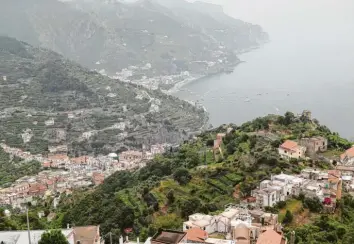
(112, 155)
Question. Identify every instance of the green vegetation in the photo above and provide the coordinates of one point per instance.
(288, 218)
(195, 178)
(53, 237)
(337, 228)
(13, 168)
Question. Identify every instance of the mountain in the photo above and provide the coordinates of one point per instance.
(150, 37)
(47, 100)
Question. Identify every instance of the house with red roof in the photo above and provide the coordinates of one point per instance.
(347, 158)
(271, 237)
(196, 235)
(290, 149)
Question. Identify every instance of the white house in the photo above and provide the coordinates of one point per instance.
(290, 149)
(279, 188)
(201, 221)
(221, 223)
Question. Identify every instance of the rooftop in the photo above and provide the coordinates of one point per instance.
(289, 145)
(85, 234)
(349, 153)
(196, 235)
(270, 237)
(21, 237)
(168, 237)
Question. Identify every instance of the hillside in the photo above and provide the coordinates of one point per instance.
(191, 180)
(148, 37)
(48, 101)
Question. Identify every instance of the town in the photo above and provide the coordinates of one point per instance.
(252, 219)
(62, 174)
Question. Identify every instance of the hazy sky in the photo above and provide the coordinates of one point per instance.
(314, 19)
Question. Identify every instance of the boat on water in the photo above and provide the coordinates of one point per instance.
(247, 100)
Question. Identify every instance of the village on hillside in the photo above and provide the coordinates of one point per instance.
(254, 219)
(62, 174)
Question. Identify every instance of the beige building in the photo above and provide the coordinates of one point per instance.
(314, 145)
(290, 149)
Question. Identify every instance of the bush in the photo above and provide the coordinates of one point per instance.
(313, 204)
(182, 176)
(281, 204)
(53, 237)
(288, 217)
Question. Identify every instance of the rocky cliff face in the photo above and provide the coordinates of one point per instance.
(48, 101)
(157, 37)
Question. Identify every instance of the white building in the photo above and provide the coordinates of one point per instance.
(221, 223)
(279, 188)
(201, 221)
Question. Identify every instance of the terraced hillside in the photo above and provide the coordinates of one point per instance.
(47, 100)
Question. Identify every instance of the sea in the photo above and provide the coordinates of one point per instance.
(305, 66)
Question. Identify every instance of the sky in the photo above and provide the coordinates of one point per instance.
(299, 18)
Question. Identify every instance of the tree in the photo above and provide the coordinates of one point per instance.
(313, 204)
(182, 176)
(288, 217)
(190, 206)
(170, 197)
(289, 118)
(53, 237)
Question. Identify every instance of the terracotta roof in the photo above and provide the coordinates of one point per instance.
(196, 235)
(290, 145)
(270, 237)
(86, 234)
(46, 164)
(80, 160)
(349, 153)
(58, 157)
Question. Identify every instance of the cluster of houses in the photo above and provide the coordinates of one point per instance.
(239, 225)
(325, 185)
(305, 147)
(310, 147)
(62, 174)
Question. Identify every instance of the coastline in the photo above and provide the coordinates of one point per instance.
(181, 84)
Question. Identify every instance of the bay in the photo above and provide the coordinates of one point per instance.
(280, 77)
(308, 64)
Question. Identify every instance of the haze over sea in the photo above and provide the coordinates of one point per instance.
(308, 64)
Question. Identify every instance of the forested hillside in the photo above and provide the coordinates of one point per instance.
(193, 179)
